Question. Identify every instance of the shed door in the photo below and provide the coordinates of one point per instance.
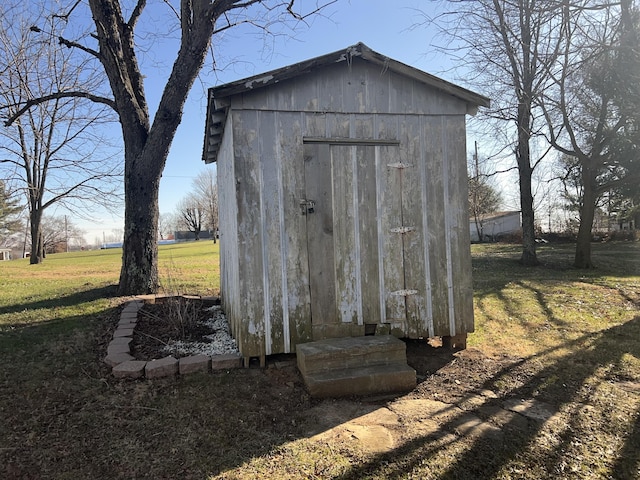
(356, 263)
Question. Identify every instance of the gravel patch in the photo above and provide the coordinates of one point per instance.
(220, 342)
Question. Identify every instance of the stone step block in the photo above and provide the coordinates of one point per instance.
(227, 361)
(114, 359)
(129, 369)
(123, 332)
(374, 379)
(194, 363)
(121, 341)
(164, 367)
(350, 352)
(115, 347)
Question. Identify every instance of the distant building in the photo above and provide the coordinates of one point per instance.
(182, 236)
(495, 225)
(5, 254)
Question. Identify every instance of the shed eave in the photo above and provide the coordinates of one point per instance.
(218, 101)
(347, 55)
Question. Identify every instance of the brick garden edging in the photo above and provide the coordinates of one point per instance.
(125, 366)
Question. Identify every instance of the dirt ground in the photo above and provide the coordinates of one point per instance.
(449, 383)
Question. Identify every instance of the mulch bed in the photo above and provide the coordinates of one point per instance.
(158, 325)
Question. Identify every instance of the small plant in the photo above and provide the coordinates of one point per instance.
(179, 310)
(182, 314)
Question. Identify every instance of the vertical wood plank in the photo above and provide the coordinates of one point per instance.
(338, 125)
(412, 218)
(390, 203)
(368, 230)
(436, 223)
(270, 206)
(228, 226)
(320, 243)
(459, 226)
(294, 231)
(346, 262)
(250, 331)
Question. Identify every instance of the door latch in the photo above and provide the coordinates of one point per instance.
(307, 206)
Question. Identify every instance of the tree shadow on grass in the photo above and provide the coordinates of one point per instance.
(69, 300)
(567, 385)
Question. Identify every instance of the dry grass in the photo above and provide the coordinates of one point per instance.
(565, 337)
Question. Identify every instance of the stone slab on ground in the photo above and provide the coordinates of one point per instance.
(130, 308)
(469, 425)
(361, 381)
(117, 358)
(223, 362)
(530, 408)
(130, 369)
(349, 352)
(118, 347)
(505, 419)
(121, 341)
(194, 363)
(123, 332)
(164, 367)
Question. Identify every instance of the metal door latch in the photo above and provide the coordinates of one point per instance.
(307, 206)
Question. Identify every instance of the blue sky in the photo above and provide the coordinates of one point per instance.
(242, 52)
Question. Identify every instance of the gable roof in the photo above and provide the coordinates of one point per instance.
(216, 108)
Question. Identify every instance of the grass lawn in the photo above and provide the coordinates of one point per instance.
(569, 338)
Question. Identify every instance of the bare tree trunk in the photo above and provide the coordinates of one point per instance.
(36, 255)
(525, 171)
(139, 273)
(587, 211)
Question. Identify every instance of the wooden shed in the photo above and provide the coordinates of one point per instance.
(342, 187)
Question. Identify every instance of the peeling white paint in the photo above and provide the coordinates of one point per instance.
(404, 293)
(402, 229)
(267, 78)
(349, 54)
(399, 165)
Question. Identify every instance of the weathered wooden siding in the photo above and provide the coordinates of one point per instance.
(393, 250)
(395, 228)
(352, 87)
(228, 226)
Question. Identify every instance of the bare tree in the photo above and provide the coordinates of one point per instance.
(510, 47)
(147, 140)
(206, 189)
(166, 225)
(52, 152)
(191, 212)
(483, 199)
(59, 234)
(592, 109)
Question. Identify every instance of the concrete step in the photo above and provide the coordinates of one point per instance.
(374, 379)
(350, 352)
(355, 366)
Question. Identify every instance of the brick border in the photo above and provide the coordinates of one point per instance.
(124, 365)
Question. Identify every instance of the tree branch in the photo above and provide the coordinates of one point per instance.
(65, 16)
(55, 96)
(135, 15)
(302, 18)
(70, 44)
